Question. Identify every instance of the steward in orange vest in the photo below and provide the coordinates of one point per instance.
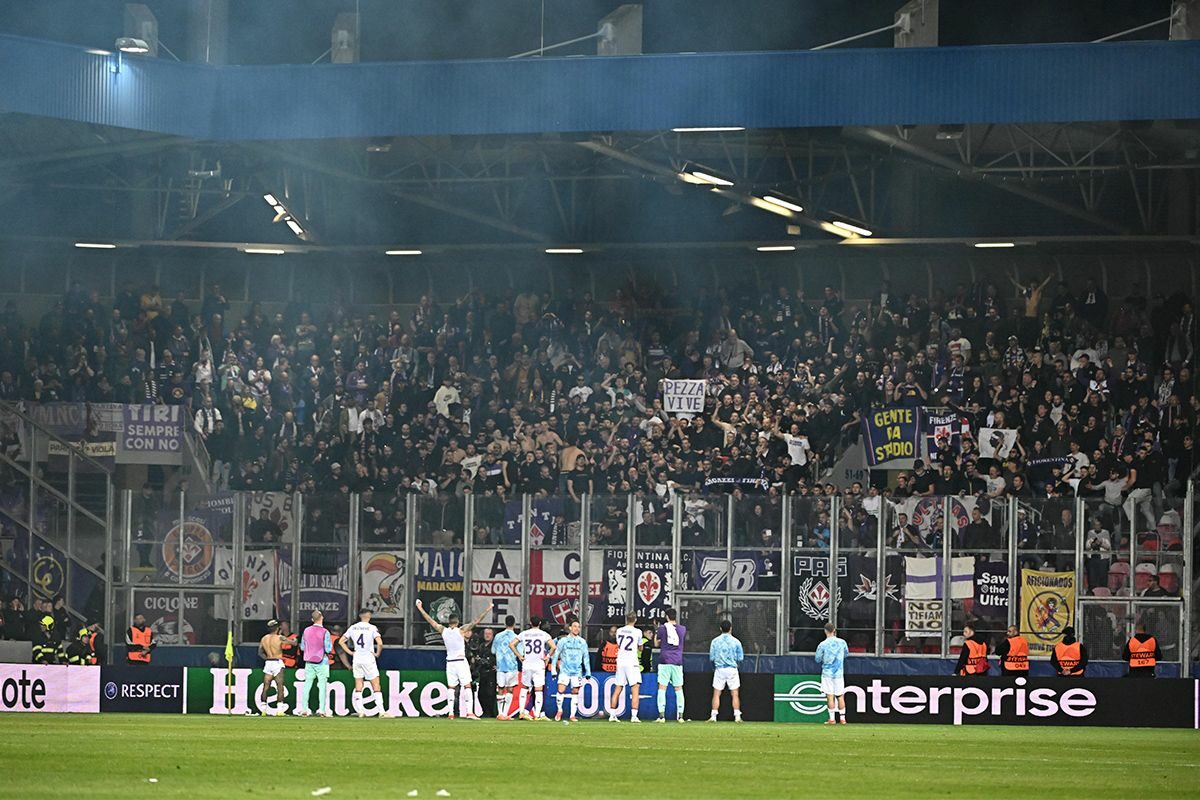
(1070, 657)
(608, 651)
(1014, 654)
(289, 647)
(972, 660)
(139, 641)
(1142, 653)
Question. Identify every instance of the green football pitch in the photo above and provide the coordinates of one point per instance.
(117, 755)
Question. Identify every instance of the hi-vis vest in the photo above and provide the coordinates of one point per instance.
(608, 657)
(335, 638)
(141, 638)
(93, 656)
(977, 663)
(1068, 658)
(289, 653)
(1017, 659)
(1141, 654)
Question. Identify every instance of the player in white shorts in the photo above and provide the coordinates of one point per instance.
(368, 644)
(629, 668)
(458, 671)
(533, 647)
(270, 650)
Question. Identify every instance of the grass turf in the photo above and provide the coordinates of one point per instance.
(114, 755)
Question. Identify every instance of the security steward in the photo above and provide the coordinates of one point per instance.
(608, 650)
(95, 642)
(288, 646)
(47, 648)
(1013, 651)
(973, 658)
(1142, 653)
(139, 642)
(1070, 657)
(337, 659)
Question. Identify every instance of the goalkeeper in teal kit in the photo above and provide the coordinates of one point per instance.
(572, 667)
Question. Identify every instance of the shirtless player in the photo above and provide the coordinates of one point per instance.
(270, 649)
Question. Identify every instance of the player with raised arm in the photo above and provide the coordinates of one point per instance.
(726, 653)
(458, 673)
(670, 638)
(508, 669)
(532, 647)
(831, 655)
(270, 650)
(573, 666)
(629, 668)
(368, 644)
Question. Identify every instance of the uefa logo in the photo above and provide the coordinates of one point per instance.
(110, 690)
(805, 698)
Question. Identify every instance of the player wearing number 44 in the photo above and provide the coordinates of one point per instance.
(458, 673)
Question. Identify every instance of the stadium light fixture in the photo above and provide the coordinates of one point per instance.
(128, 44)
(715, 129)
(563, 251)
(779, 201)
(987, 245)
(95, 246)
(704, 177)
(265, 251)
(849, 228)
(402, 252)
(776, 248)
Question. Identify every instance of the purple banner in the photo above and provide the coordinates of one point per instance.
(152, 429)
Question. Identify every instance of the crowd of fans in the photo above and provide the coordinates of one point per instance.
(557, 394)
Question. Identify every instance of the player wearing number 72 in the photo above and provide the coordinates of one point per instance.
(629, 669)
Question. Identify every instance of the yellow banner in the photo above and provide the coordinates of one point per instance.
(1047, 607)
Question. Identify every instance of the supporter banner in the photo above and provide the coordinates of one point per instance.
(49, 689)
(188, 552)
(750, 571)
(161, 609)
(90, 426)
(257, 580)
(547, 528)
(683, 398)
(923, 618)
(943, 430)
(327, 590)
(927, 514)
(439, 586)
(812, 589)
(554, 575)
(383, 579)
(891, 434)
(924, 577)
(995, 701)
(1047, 606)
(991, 590)
(996, 443)
(152, 429)
(652, 584)
(747, 483)
(271, 517)
(141, 689)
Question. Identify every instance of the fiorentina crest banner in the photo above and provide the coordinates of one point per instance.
(257, 600)
(1047, 606)
(891, 434)
(652, 584)
(187, 553)
(943, 430)
(683, 398)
